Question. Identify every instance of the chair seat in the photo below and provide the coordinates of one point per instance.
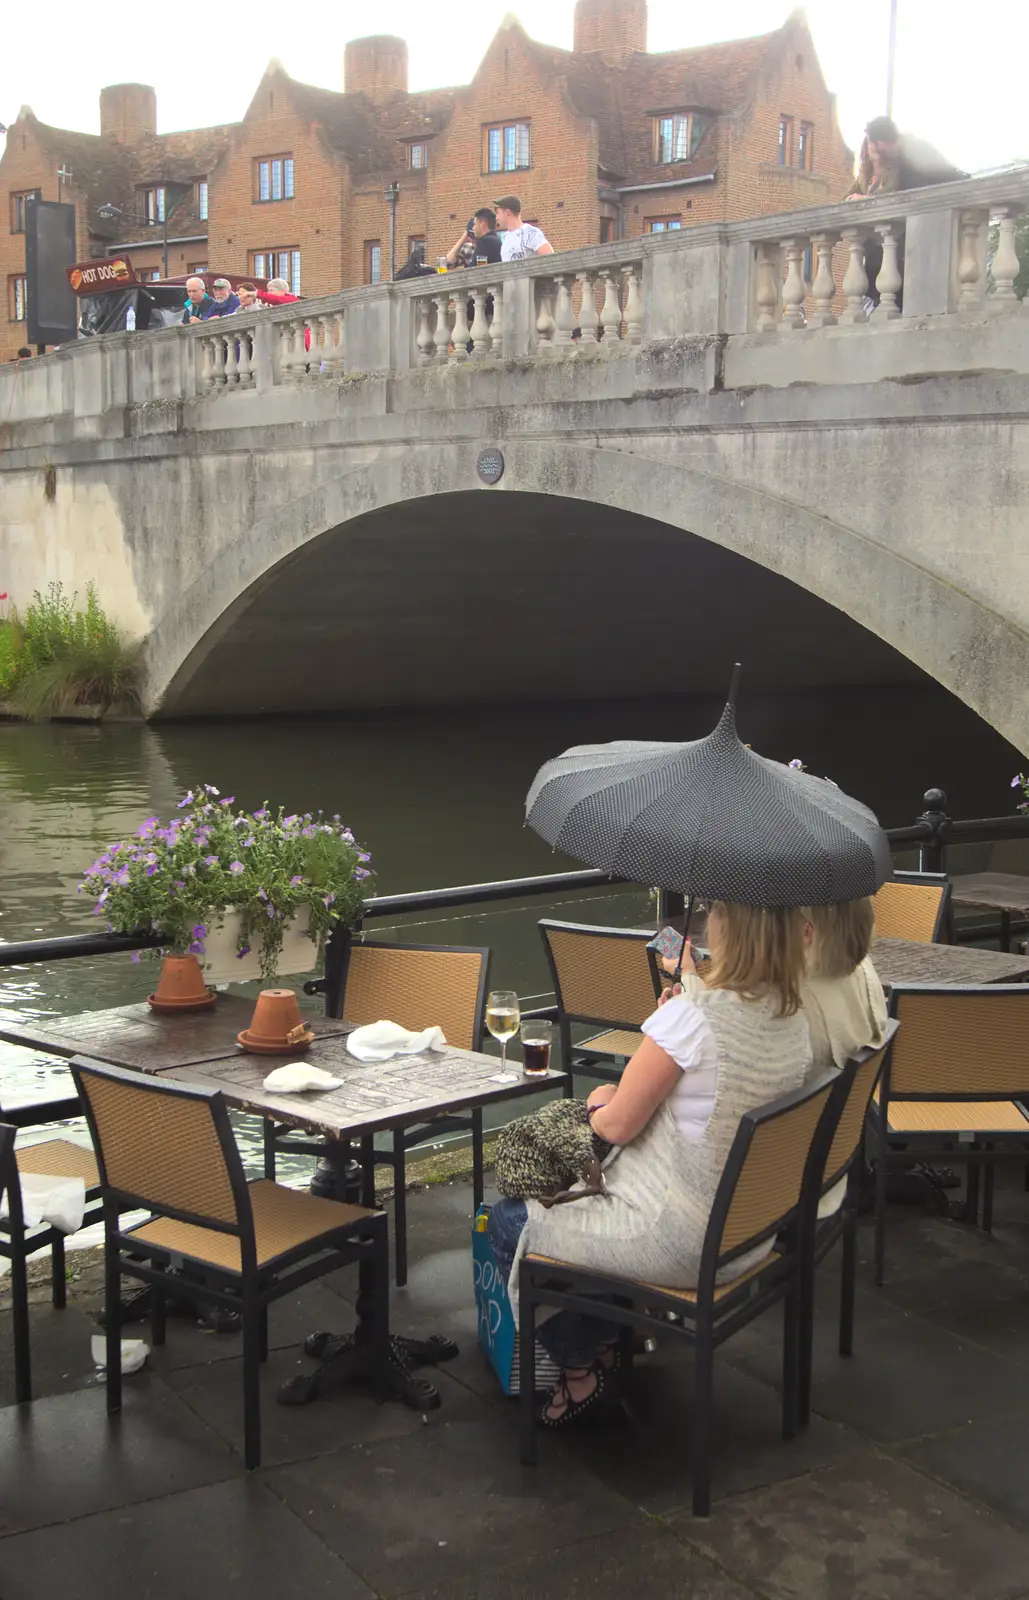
(688, 1296)
(957, 1116)
(284, 1219)
(59, 1158)
(617, 1042)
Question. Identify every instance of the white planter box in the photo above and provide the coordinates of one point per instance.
(223, 965)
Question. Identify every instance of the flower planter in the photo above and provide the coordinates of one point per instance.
(222, 963)
(181, 986)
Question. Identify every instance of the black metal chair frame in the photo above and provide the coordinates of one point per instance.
(822, 1234)
(893, 1150)
(579, 1057)
(704, 1323)
(249, 1291)
(17, 1244)
(10, 1186)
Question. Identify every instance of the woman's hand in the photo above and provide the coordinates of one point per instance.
(601, 1095)
(669, 994)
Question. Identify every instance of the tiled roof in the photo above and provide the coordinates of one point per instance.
(370, 137)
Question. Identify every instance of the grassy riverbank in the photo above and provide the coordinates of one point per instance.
(56, 656)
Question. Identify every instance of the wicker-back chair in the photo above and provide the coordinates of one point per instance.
(758, 1202)
(913, 905)
(605, 977)
(417, 986)
(954, 1084)
(832, 1215)
(169, 1147)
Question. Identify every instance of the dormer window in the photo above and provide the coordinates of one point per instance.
(418, 156)
(672, 137)
(151, 205)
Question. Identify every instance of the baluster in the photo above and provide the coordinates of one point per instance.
(590, 334)
(564, 314)
(970, 265)
(337, 350)
(766, 293)
(205, 351)
(218, 342)
(889, 282)
(544, 317)
(231, 360)
(610, 313)
(301, 354)
(245, 358)
(479, 331)
(1005, 264)
(442, 327)
(855, 281)
(424, 339)
(460, 333)
(633, 306)
(823, 289)
(496, 327)
(287, 366)
(794, 290)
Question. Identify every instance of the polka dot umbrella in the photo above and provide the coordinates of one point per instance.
(711, 819)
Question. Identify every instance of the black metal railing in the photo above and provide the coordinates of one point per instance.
(931, 833)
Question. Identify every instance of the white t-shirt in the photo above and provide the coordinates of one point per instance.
(517, 243)
(684, 1033)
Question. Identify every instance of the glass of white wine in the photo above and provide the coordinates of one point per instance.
(502, 1018)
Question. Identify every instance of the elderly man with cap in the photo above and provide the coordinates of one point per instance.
(225, 301)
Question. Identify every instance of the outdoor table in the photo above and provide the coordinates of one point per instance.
(909, 961)
(1000, 891)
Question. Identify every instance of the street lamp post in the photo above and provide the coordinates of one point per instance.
(892, 58)
(392, 194)
(174, 194)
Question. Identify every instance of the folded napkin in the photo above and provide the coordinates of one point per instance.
(296, 1076)
(378, 1041)
(58, 1201)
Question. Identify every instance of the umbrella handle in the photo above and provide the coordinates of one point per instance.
(677, 974)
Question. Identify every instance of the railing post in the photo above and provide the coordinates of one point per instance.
(1005, 264)
(823, 289)
(855, 280)
(931, 854)
(889, 282)
(794, 290)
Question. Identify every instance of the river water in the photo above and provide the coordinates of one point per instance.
(437, 797)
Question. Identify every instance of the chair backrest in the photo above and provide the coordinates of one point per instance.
(845, 1114)
(9, 1184)
(601, 974)
(763, 1181)
(967, 1043)
(419, 986)
(913, 905)
(168, 1146)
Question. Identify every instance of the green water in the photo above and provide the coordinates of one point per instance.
(437, 797)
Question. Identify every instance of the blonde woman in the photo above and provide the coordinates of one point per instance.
(712, 1052)
(841, 994)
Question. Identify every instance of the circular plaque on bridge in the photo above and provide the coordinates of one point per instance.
(490, 466)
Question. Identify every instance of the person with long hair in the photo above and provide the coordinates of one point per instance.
(712, 1051)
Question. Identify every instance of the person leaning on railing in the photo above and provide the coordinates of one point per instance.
(713, 1050)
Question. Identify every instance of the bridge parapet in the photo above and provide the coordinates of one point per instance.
(773, 301)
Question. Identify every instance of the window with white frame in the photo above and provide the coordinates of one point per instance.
(19, 204)
(17, 298)
(507, 147)
(152, 204)
(672, 137)
(273, 178)
(200, 196)
(279, 263)
(417, 156)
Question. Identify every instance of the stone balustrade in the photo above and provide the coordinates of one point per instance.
(787, 299)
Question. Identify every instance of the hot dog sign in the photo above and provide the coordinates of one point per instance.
(93, 277)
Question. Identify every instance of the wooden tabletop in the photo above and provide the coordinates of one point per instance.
(136, 1037)
(373, 1095)
(906, 961)
(1003, 891)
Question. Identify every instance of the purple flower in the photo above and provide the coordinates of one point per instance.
(329, 898)
(196, 948)
(361, 872)
(229, 800)
(210, 788)
(248, 842)
(147, 828)
(259, 816)
(236, 867)
(308, 833)
(797, 764)
(185, 801)
(244, 950)
(295, 881)
(152, 870)
(210, 861)
(1016, 783)
(121, 878)
(271, 911)
(199, 931)
(136, 957)
(103, 897)
(363, 855)
(287, 822)
(178, 884)
(261, 894)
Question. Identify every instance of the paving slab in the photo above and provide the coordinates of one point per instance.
(59, 1343)
(644, 1454)
(878, 1531)
(347, 1416)
(609, 1566)
(984, 1460)
(62, 1457)
(451, 1505)
(231, 1538)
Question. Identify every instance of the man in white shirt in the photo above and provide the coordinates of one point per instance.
(520, 239)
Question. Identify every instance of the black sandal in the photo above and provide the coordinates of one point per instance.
(574, 1409)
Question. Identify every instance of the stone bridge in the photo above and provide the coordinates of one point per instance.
(709, 449)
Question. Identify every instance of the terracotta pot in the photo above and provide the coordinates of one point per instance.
(181, 986)
(276, 1025)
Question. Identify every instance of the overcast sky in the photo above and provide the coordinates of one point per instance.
(960, 68)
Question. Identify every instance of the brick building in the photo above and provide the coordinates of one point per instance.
(601, 142)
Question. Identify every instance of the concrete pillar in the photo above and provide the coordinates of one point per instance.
(930, 254)
(683, 292)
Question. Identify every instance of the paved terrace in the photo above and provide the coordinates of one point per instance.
(910, 1485)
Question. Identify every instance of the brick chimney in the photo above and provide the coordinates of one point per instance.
(615, 29)
(127, 112)
(378, 66)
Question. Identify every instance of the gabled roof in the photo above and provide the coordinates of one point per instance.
(372, 138)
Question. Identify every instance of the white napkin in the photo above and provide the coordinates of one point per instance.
(296, 1076)
(133, 1353)
(377, 1041)
(58, 1201)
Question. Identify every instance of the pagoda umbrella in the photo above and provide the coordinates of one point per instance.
(711, 819)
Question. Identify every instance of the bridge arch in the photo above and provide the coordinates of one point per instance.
(981, 657)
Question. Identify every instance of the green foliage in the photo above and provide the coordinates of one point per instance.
(180, 878)
(57, 656)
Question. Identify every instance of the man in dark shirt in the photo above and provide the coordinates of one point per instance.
(481, 239)
(225, 300)
(893, 161)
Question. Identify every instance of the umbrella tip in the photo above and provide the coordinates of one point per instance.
(734, 683)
